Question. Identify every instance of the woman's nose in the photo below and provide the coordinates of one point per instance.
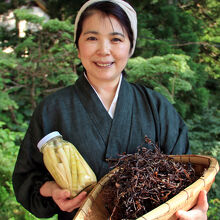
(104, 48)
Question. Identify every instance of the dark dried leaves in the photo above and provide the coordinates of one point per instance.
(144, 181)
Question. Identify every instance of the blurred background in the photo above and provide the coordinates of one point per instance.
(177, 54)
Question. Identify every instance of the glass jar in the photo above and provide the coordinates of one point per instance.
(65, 164)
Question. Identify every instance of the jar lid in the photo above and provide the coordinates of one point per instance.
(48, 137)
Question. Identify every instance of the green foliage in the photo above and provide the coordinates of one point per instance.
(202, 96)
(43, 61)
(208, 11)
(177, 54)
(169, 74)
(205, 133)
(204, 137)
(214, 207)
(169, 26)
(8, 63)
(9, 146)
(6, 102)
(25, 14)
(55, 25)
(27, 44)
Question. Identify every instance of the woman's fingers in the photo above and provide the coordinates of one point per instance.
(198, 212)
(202, 201)
(76, 201)
(61, 197)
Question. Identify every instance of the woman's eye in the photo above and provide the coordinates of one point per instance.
(91, 38)
(116, 40)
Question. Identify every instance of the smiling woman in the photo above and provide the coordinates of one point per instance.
(102, 114)
(105, 38)
(103, 48)
(123, 12)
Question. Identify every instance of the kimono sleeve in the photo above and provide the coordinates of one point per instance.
(173, 132)
(30, 173)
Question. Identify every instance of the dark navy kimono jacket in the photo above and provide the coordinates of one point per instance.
(78, 114)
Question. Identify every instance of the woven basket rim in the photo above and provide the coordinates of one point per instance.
(204, 182)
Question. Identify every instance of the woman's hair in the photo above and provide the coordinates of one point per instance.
(107, 8)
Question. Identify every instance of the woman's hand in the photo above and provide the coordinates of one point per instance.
(198, 212)
(62, 196)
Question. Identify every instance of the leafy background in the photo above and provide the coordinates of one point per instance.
(177, 54)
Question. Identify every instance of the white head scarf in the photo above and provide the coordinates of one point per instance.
(127, 9)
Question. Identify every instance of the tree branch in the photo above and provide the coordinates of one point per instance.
(42, 5)
(191, 43)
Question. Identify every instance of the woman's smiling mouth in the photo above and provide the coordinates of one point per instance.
(104, 64)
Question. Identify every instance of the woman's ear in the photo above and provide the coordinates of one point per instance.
(78, 53)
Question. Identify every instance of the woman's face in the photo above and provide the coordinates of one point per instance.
(103, 47)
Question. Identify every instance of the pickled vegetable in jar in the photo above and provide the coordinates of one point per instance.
(65, 164)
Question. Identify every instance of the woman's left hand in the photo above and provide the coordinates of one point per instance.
(198, 212)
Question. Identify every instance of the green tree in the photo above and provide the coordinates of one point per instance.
(169, 75)
(177, 54)
(42, 62)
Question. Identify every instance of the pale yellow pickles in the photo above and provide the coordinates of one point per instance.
(66, 165)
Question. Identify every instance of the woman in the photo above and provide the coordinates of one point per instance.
(102, 114)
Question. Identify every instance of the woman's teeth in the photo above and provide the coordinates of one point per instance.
(104, 64)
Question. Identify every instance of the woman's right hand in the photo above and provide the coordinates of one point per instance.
(62, 196)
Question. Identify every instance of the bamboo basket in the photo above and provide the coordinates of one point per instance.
(93, 207)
